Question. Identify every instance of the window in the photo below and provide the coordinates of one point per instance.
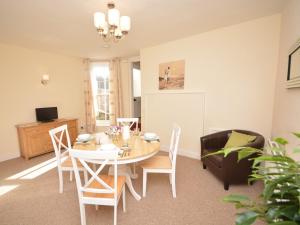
(100, 88)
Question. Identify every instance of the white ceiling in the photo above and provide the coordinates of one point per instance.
(66, 26)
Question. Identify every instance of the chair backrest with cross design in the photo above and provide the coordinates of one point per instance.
(97, 185)
(100, 189)
(133, 123)
(174, 144)
(274, 147)
(61, 142)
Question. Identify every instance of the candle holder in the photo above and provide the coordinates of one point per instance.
(125, 145)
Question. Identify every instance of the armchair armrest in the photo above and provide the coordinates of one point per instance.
(258, 143)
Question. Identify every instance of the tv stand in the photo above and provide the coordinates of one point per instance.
(34, 138)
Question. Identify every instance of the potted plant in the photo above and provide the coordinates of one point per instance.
(279, 203)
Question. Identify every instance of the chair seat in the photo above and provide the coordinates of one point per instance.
(68, 163)
(157, 162)
(108, 180)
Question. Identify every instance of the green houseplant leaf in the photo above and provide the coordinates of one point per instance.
(279, 203)
(246, 218)
(281, 141)
(296, 150)
(284, 223)
(297, 134)
(246, 152)
(236, 198)
(271, 158)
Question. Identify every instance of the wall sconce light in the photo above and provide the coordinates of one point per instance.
(45, 79)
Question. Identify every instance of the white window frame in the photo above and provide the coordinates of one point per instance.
(95, 70)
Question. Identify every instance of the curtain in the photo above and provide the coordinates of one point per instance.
(90, 120)
(115, 98)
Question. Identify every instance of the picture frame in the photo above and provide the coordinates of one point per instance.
(293, 74)
(171, 75)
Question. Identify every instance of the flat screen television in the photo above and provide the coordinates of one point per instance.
(47, 114)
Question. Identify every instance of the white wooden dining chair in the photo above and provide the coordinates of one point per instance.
(99, 189)
(164, 164)
(131, 122)
(273, 145)
(59, 136)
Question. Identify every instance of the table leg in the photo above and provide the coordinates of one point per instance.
(124, 170)
(131, 188)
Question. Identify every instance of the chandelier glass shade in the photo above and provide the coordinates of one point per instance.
(115, 27)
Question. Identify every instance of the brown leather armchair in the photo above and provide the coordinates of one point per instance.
(228, 169)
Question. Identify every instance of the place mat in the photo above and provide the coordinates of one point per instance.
(85, 146)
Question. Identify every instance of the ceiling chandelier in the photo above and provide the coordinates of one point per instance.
(115, 27)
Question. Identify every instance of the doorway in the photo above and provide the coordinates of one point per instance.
(136, 91)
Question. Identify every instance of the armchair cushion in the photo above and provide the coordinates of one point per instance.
(237, 139)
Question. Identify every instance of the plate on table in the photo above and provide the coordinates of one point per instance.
(107, 147)
(110, 147)
(150, 137)
(84, 138)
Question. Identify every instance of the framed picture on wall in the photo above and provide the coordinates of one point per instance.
(293, 76)
(171, 75)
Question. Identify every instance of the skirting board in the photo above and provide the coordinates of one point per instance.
(9, 156)
(184, 152)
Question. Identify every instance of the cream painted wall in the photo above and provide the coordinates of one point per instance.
(236, 68)
(21, 90)
(287, 101)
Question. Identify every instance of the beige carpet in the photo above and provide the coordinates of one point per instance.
(37, 201)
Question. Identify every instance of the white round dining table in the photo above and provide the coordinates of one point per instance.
(138, 150)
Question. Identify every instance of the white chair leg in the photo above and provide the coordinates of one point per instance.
(61, 181)
(82, 214)
(144, 182)
(115, 213)
(173, 185)
(96, 206)
(71, 175)
(124, 199)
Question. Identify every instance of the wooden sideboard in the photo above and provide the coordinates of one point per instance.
(34, 138)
